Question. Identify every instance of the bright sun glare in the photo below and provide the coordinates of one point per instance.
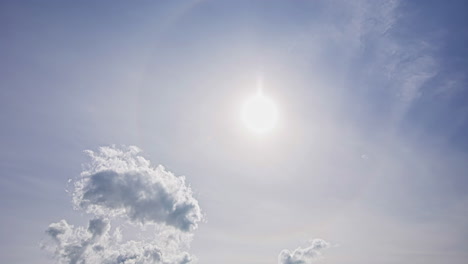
(259, 113)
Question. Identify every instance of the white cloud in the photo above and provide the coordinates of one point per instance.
(118, 182)
(304, 255)
(72, 245)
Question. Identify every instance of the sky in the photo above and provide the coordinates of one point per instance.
(122, 137)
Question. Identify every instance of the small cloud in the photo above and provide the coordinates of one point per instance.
(304, 255)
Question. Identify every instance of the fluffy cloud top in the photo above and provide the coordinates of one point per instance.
(120, 182)
(303, 255)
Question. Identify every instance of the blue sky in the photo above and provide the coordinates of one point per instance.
(367, 164)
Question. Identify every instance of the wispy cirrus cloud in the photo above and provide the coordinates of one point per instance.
(390, 59)
(367, 49)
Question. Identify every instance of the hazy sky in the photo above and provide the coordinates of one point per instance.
(368, 162)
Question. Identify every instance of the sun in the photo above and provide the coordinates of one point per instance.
(259, 113)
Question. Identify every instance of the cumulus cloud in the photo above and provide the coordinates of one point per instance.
(120, 183)
(95, 244)
(304, 255)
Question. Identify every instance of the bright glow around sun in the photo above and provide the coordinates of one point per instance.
(259, 113)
